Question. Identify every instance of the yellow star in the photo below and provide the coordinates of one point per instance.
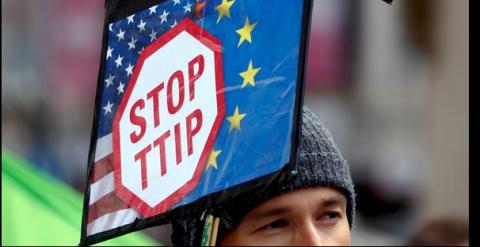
(212, 158)
(245, 32)
(249, 75)
(235, 119)
(224, 9)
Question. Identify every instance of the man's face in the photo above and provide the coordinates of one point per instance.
(311, 216)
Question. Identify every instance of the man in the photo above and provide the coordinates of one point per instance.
(310, 204)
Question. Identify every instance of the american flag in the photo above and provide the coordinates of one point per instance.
(126, 40)
(261, 46)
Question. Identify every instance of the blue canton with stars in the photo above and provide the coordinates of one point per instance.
(261, 143)
(126, 40)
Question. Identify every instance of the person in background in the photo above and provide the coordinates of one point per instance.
(441, 231)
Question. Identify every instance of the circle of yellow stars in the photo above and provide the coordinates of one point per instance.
(245, 34)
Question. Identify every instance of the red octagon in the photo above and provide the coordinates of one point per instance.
(122, 191)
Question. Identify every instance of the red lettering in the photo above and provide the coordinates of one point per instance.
(161, 143)
(154, 94)
(142, 155)
(172, 109)
(137, 120)
(192, 76)
(178, 146)
(197, 114)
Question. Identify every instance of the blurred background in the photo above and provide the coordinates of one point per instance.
(389, 82)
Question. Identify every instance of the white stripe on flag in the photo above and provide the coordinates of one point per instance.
(112, 220)
(102, 187)
(104, 147)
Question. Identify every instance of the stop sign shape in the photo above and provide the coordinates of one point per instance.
(167, 121)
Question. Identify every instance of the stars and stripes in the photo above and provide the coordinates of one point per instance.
(126, 40)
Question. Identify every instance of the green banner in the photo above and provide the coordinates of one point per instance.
(40, 210)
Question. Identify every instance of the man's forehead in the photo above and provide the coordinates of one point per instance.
(316, 196)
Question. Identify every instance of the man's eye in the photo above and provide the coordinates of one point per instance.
(275, 225)
(330, 216)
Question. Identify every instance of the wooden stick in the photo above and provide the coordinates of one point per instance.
(213, 238)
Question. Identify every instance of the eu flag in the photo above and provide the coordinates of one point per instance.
(261, 48)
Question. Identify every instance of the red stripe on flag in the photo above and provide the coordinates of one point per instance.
(107, 204)
(102, 168)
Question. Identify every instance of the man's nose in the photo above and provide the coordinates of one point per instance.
(308, 234)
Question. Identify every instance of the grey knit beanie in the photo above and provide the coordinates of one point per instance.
(320, 164)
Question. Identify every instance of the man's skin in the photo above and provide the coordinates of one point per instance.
(310, 216)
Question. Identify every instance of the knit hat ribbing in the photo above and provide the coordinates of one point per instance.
(321, 162)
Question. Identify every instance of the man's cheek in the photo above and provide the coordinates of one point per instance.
(342, 233)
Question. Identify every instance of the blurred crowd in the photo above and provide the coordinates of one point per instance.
(390, 83)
